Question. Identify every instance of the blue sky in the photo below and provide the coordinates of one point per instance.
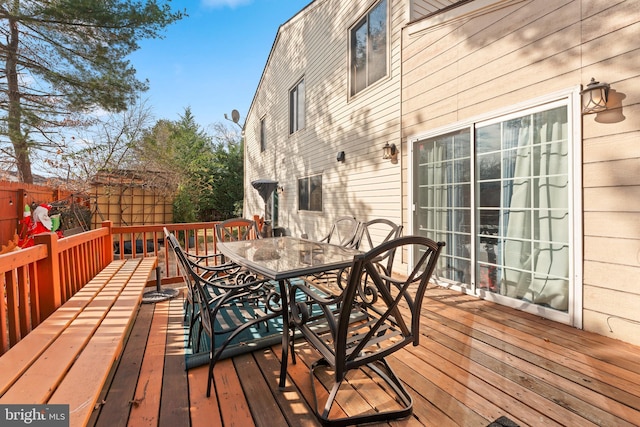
(211, 60)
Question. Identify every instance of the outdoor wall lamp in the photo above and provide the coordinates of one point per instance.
(594, 97)
(389, 152)
(340, 156)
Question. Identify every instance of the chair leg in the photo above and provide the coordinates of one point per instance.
(384, 371)
(210, 375)
(192, 323)
(291, 343)
(199, 337)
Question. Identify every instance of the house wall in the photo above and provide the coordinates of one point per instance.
(421, 8)
(314, 45)
(463, 66)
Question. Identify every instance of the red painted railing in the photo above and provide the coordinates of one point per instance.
(37, 280)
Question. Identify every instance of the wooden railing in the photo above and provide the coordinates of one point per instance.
(146, 240)
(37, 280)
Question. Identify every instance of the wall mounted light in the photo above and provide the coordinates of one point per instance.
(594, 97)
(340, 156)
(389, 152)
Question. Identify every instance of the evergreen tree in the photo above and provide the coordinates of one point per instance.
(206, 170)
(66, 57)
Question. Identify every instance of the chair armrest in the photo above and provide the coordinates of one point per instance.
(234, 282)
(217, 270)
(200, 258)
(301, 310)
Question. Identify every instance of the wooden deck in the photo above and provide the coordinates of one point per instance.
(477, 361)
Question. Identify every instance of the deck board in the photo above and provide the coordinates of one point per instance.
(117, 401)
(476, 361)
(146, 401)
(292, 402)
(231, 398)
(266, 411)
(174, 408)
(204, 411)
(584, 384)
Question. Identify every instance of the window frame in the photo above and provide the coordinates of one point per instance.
(308, 180)
(297, 99)
(263, 134)
(351, 37)
(571, 98)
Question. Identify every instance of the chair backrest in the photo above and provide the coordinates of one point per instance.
(343, 232)
(373, 233)
(376, 232)
(391, 301)
(237, 229)
(184, 264)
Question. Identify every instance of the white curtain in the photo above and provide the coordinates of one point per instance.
(517, 199)
(536, 250)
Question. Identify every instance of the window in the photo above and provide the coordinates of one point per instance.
(368, 46)
(263, 134)
(310, 193)
(296, 107)
(271, 209)
(499, 194)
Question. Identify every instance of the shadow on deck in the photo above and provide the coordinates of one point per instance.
(477, 361)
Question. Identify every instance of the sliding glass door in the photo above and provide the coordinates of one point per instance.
(498, 192)
(442, 200)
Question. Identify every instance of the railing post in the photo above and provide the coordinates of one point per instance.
(48, 273)
(108, 243)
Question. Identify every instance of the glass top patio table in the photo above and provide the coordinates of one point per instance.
(286, 257)
(283, 258)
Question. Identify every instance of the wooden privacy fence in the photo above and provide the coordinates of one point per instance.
(130, 198)
(37, 280)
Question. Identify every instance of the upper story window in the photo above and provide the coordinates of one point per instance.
(310, 193)
(296, 107)
(263, 134)
(368, 48)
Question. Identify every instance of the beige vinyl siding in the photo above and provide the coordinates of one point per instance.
(315, 45)
(420, 8)
(523, 50)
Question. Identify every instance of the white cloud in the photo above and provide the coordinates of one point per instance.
(225, 3)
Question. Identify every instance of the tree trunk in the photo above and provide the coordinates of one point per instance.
(18, 139)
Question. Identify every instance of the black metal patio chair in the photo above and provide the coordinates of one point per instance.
(210, 267)
(235, 229)
(376, 232)
(224, 317)
(343, 232)
(377, 314)
(370, 234)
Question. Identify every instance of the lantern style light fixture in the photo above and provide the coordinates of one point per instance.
(594, 97)
(389, 151)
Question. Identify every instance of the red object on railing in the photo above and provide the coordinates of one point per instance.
(39, 279)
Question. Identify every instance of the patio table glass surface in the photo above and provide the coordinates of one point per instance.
(286, 257)
(283, 258)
